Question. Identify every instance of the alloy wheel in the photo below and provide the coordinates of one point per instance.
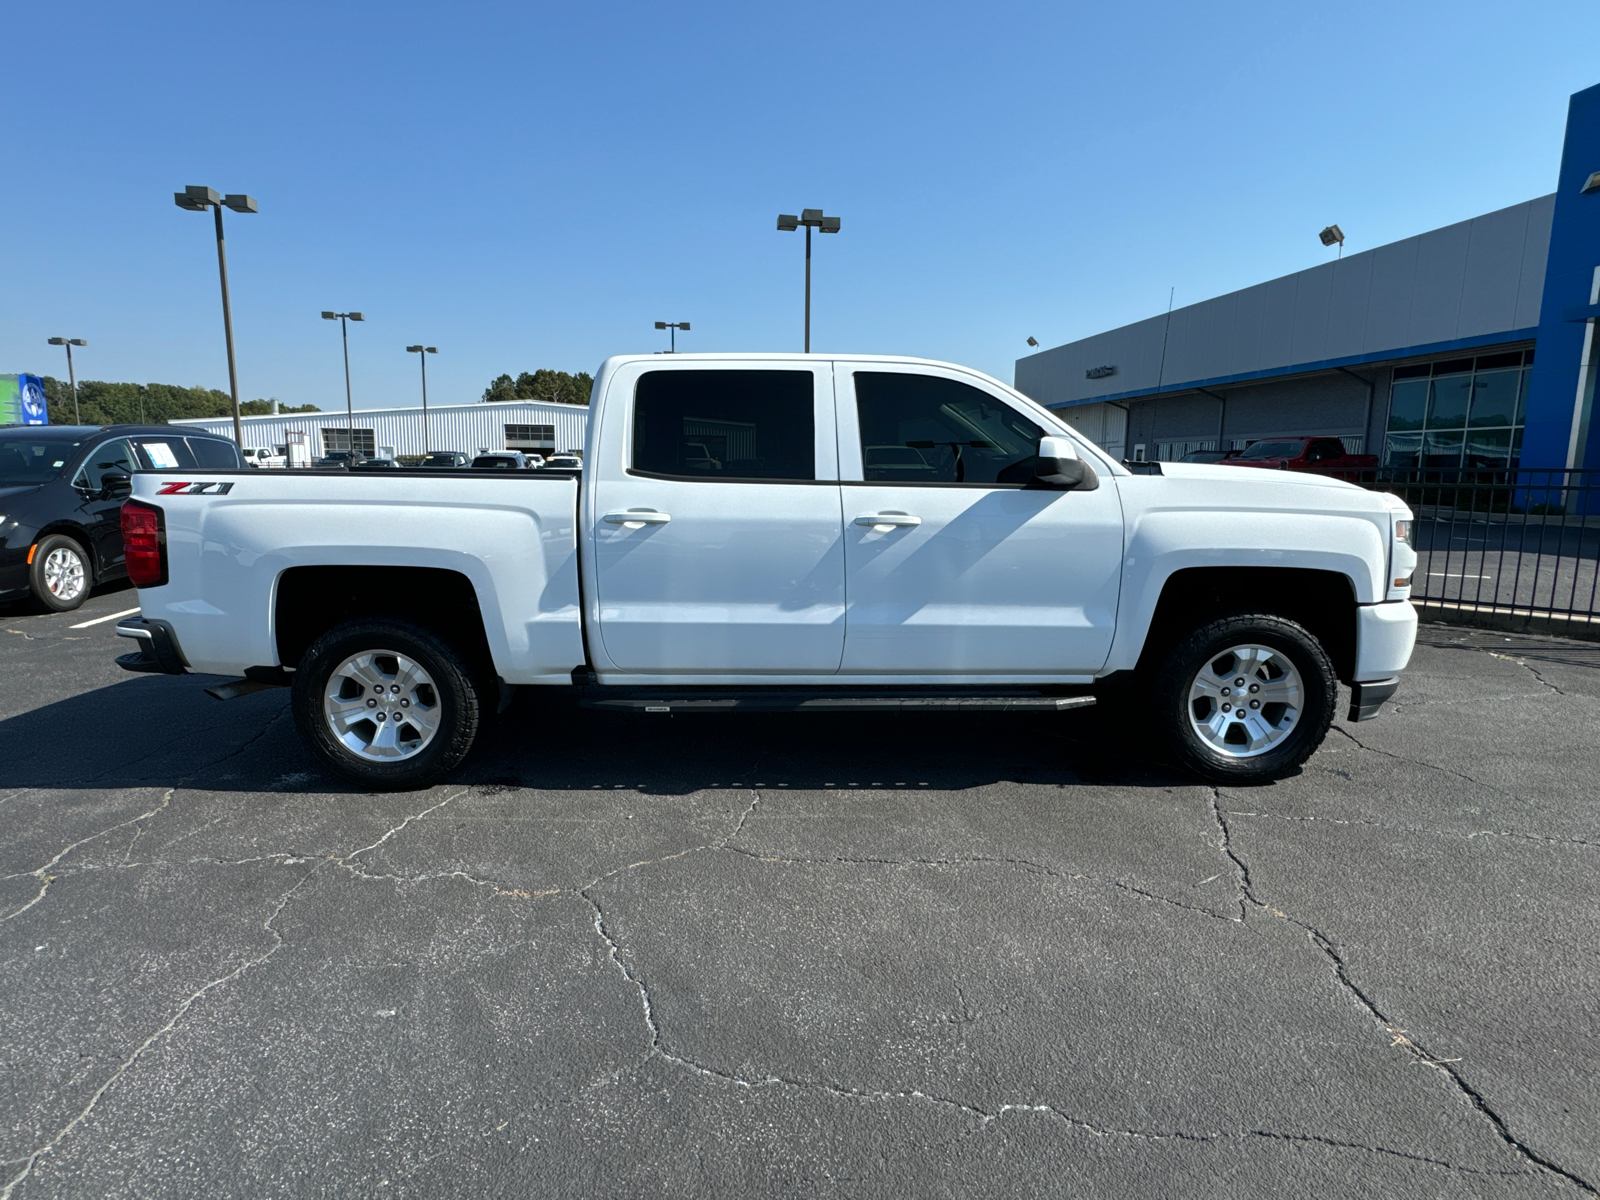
(1245, 700)
(382, 706)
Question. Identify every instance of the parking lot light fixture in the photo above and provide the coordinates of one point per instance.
(349, 407)
(422, 353)
(674, 326)
(195, 198)
(72, 378)
(810, 218)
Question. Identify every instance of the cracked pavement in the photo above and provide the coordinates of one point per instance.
(787, 956)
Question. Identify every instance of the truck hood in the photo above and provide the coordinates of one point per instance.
(1216, 471)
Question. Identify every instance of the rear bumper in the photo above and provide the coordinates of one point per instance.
(158, 653)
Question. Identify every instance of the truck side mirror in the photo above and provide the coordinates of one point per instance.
(1060, 467)
(115, 485)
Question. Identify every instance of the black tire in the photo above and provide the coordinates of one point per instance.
(1298, 730)
(49, 556)
(459, 707)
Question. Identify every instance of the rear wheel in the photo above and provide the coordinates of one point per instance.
(386, 704)
(59, 576)
(1246, 699)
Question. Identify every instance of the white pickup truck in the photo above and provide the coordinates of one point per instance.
(783, 531)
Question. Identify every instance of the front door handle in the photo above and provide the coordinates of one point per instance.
(888, 520)
(637, 518)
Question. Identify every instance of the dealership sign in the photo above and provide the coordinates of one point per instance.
(22, 400)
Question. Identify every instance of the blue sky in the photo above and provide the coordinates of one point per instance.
(533, 185)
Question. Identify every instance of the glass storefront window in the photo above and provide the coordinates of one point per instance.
(1447, 405)
(1441, 448)
(1487, 448)
(1402, 449)
(1494, 398)
(1408, 404)
(1458, 413)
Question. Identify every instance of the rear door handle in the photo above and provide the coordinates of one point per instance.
(889, 520)
(637, 518)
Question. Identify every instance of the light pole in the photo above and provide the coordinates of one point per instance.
(422, 353)
(69, 343)
(674, 326)
(198, 199)
(349, 408)
(811, 218)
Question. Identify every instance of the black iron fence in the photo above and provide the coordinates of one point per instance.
(1520, 546)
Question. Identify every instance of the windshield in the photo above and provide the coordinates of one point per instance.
(31, 460)
(1273, 450)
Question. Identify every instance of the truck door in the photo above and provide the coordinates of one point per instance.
(954, 566)
(714, 514)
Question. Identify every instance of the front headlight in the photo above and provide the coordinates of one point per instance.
(1406, 531)
(1402, 553)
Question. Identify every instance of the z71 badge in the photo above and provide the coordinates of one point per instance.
(182, 487)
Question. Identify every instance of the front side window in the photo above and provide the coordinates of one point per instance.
(926, 429)
(110, 456)
(725, 425)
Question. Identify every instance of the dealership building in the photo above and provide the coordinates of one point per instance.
(1465, 346)
(535, 426)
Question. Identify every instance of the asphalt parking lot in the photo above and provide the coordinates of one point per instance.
(769, 956)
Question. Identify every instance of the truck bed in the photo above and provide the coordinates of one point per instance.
(232, 534)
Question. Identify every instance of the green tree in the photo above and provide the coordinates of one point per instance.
(553, 386)
(502, 389)
(101, 403)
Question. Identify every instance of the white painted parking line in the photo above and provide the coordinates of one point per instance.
(1455, 575)
(102, 620)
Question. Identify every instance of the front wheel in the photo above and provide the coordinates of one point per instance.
(59, 576)
(1246, 699)
(385, 704)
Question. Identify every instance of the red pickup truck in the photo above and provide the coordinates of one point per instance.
(1301, 454)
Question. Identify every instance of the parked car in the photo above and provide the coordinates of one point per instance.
(564, 462)
(535, 461)
(504, 460)
(61, 493)
(447, 460)
(264, 456)
(1301, 454)
(1209, 456)
(375, 464)
(335, 458)
(1033, 572)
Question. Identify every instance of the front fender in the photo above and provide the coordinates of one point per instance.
(1162, 543)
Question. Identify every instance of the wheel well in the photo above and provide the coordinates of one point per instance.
(312, 600)
(1322, 601)
(85, 543)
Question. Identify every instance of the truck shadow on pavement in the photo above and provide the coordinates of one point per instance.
(164, 731)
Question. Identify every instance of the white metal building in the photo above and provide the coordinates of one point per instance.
(533, 425)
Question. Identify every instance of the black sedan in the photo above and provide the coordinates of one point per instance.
(61, 493)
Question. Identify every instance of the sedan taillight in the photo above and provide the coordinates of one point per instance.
(144, 542)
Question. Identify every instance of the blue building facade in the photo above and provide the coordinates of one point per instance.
(1471, 345)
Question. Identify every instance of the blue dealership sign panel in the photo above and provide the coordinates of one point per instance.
(22, 400)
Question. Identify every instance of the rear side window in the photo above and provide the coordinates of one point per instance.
(725, 424)
(926, 429)
(157, 453)
(213, 452)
